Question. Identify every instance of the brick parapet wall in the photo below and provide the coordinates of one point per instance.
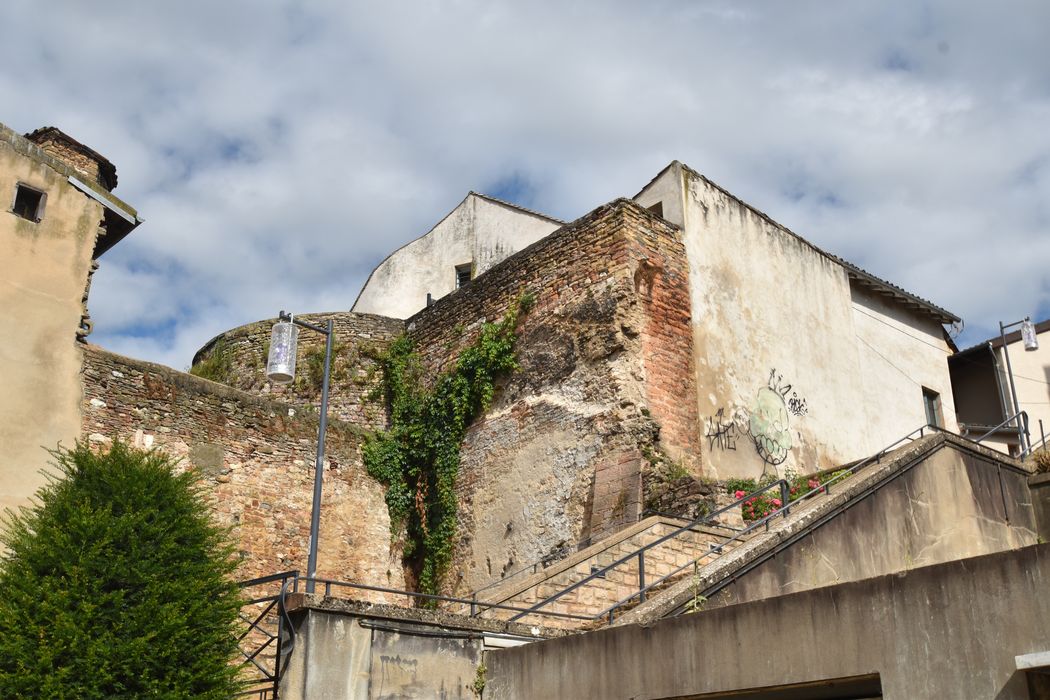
(256, 457)
(357, 337)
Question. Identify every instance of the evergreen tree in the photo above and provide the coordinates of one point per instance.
(116, 584)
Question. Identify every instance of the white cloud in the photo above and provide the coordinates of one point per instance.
(277, 151)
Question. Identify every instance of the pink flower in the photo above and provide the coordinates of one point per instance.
(813, 483)
(777, 502)
(739, 494)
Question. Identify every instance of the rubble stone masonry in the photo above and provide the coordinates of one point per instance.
(357, 337)
(257, 458)
(604, 354)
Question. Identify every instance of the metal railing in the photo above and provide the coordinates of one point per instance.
(1021, 419)
(290, 580)
(612, 542)
(716, 550)
(475, 606)
(263, 634)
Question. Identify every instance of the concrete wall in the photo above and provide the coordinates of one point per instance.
(947, 631)
(344, 649)
(953, 505)
(257, 457)
(45, 271)
(604, 363)
(784, 344)
(480, 231)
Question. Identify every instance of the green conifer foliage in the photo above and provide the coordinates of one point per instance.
(117, 585)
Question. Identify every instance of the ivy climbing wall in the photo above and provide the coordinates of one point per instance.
(556, 461)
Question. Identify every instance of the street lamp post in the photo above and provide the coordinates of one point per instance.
(280, 368)
(1031, 344)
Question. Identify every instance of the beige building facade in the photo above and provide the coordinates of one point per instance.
(57, 217)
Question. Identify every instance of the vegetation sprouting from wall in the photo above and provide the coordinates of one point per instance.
(417, 458)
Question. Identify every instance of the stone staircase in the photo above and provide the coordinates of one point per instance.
(975, 486)
(664, 566)
(580, 590)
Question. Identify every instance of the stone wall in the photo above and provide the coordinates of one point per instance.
(556, 459)
(357, 337)
(257, 458)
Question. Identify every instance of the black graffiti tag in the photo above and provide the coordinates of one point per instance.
(720, 432)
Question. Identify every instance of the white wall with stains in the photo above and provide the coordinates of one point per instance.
(796, 369)
(480, 231)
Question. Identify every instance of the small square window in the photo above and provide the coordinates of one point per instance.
(932, 402)
(29, 203)
(463, 274)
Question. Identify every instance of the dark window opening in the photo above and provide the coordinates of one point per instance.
(29, 203)
(463, 274)
(657, 209)
(932, 401)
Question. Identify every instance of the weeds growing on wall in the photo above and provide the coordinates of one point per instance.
(217, 366)
(312, 377)
(418, 457)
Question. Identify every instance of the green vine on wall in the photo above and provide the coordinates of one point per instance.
(418, 457)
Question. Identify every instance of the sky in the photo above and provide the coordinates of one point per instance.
(279, 150)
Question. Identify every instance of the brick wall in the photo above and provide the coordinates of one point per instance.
(604, 357)
(257, 459)
(661, 280)
(356, 338)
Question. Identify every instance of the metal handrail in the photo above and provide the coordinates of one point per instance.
(783, 511)
(284, 629)
(474, 604)
(692, 524)
(1020, 414)
(600, 573)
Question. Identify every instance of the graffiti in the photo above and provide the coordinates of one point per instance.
(768, 426)
(766, 423)
(720, 432)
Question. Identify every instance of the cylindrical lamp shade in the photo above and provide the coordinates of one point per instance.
(1031, 342)
(280, 365)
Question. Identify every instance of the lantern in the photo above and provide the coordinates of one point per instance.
(1031, 342)
(280, 365)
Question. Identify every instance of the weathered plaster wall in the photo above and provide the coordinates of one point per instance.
(501, 230)
(45, 270)
(946, 631)
(774, 342)
(951, 506)
(480, 231)
(257, 457)
(784, 347)
(604, 353)
(357, 339)
(899, 353)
